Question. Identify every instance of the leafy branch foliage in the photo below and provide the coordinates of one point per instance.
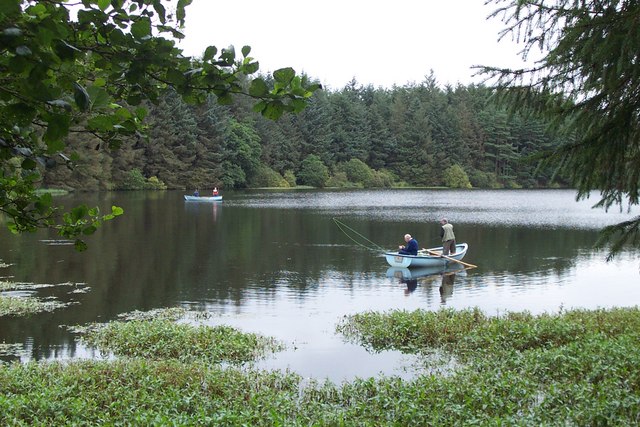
(91, 73)
(588, 85)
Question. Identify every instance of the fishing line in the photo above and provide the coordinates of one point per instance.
(342, 226)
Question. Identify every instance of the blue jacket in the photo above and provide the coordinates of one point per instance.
(410, 249)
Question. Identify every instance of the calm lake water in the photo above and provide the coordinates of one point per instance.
(276, 263)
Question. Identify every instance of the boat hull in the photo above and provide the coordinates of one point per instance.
(203, 199)
(394, 259)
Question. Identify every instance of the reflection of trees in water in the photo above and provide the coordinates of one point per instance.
(523, 250)
(162, 251)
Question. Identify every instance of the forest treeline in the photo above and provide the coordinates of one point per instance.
(359, 136)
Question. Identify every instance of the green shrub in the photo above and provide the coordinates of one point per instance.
(456, 177)
(290, 177)
(134, 181)
(154, 183)
(382, 178)
(267, 177)
(339, 180)
(481, 179)
(358, 171)
(313, 172)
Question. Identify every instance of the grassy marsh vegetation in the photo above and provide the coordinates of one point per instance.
(162, 338)
(572, 368)
(28, 305)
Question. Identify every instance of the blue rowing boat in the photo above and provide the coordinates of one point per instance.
(203, 198)
(427, 258)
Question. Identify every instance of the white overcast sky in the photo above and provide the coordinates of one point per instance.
(376, 42)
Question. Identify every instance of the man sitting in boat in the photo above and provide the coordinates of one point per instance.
(411, 248)
(196, 193)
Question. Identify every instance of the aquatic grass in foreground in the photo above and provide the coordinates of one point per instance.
(25, 306)
(157, 336)
(577, 367)
(468, 332)
(28, 305)
(572, 368)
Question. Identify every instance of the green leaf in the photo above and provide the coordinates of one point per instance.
(101, 123)
(180, 12)
(99, 98)
(209, 53)
(81, 97)
(10, 7)
(103, 4)
(78, 213)
(57, 129)
(157, 5)
(20, 113)
(89, 230)
(298, 105)
(44, 203)
(246, 50)
(116, 210)
(228, 56)
(141, 28)
(273, 110)
(28, 163)
(80, 245)
(65, 51)
(260, 106)
(175, 76)
(250, 68)
(258, 88)
(225, 99)
(284, 75)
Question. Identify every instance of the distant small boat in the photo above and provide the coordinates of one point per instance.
(427, 258)
(203, 198)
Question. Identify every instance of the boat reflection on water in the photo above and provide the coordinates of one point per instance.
(428, 275)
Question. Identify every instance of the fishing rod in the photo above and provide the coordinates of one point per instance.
(342, 227)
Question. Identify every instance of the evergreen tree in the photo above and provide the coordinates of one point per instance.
(314, 125)
(587, 83)
(213, 122)
(350, 127)
(313, 172)
(172, 141)
(240, 154)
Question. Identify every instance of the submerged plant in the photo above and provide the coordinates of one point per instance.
(157, 336)
(572, 368)
(25, 306)
(28, 305)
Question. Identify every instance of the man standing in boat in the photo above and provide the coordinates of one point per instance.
(411, 248)
(448, 238)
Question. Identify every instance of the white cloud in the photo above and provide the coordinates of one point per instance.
(378, 43)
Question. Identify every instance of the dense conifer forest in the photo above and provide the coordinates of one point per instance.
(360, 136)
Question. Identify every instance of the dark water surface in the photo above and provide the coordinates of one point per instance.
(277, 264)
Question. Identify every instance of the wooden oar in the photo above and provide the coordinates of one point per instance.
(449, 258)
